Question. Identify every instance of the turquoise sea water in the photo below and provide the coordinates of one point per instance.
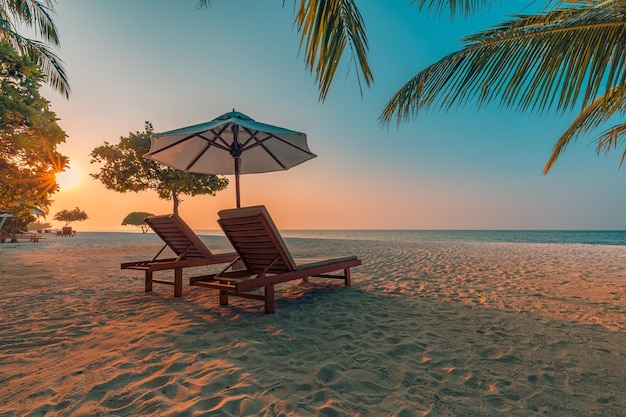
(216, 237)
(595, 237)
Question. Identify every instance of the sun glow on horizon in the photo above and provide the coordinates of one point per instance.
(68, 179)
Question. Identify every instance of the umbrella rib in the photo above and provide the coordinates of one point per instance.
(211, 142)
(178, 142)
(259, 142)
(218, 135)
(199, 135)
(198, 156)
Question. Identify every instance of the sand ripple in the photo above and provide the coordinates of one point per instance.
(427, 330)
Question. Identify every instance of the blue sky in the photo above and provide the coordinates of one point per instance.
(174, 65)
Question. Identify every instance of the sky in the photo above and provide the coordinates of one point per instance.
(174, 65)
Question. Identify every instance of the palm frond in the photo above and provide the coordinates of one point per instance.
(202, 4)
(465, 8)
(45, 58)
(42, 14)
(613, 139)
(592, 116)
(327, 27)
(35, 14)
(535, 62)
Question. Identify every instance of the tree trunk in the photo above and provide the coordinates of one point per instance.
(176, 202)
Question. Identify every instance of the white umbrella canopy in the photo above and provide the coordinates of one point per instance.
(231, 144)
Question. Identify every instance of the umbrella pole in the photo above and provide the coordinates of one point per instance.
(237, 165)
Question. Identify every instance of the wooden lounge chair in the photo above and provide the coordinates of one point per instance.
(266, 259)
(190, 251)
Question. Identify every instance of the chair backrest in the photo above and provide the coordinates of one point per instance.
(254, 236)
(178, 236)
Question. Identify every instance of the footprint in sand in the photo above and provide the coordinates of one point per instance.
(492, 352)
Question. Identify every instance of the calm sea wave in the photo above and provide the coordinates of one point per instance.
(592, 237)
(612, 237)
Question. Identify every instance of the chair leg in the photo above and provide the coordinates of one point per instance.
(148, 281)
(347, 277)
(269, 299)
(178, 282)
(223, 298)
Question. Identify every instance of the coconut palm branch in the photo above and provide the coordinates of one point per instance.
(531, 63)
(559, 59)
(597, 113)
(37, 15)
(327, 27)
(465, 8)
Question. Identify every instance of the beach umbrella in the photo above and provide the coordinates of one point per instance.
(231, 144)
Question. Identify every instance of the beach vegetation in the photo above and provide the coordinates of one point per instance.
(29, 135)
(123, 168)
(69, 216)
(565, 57)
(136, 219)
(36, 16)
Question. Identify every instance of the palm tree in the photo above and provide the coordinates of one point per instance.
(37, 15)
(572, 55)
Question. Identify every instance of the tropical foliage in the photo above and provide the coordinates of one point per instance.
(565, 57)
(29, 135)
(123, 168)
(36, 16)
(69, 216)
(136, 218)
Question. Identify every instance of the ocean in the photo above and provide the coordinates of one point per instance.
(588, 237)
(592, 237)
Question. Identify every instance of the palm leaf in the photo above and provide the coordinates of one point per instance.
(38, 14)
(33, 13)
(535, 62)
(592, 116)
(42, 14)
(612, 139)
(41, 54)
(327, 27)
(465, 8)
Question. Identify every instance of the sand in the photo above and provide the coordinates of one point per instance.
(428, 329)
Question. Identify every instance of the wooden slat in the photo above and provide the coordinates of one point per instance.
(297, 274)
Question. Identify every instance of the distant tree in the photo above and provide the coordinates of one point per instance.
(125, 169)
(69, 216)
(136, 219)
(39, 225)
(29, 135)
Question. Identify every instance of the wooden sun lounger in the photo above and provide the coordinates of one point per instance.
(266, 258)
(190, 250)
(32, 237)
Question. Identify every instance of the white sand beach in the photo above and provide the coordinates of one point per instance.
(427, 329)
